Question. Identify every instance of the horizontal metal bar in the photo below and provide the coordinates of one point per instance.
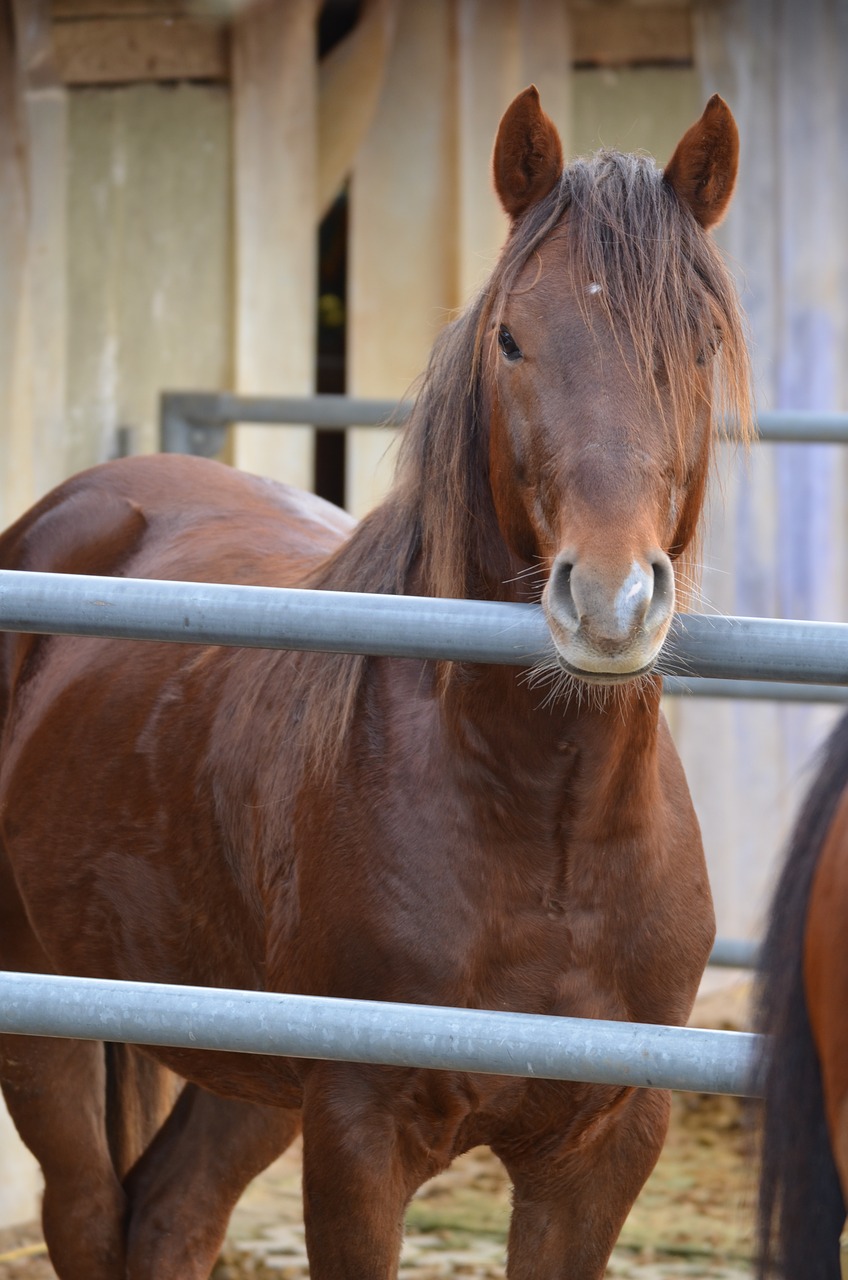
(211, 411)
(752, 690)
(195, 421)
(217, 409)
(407, 1035)
(757, 649)
(734, 953)
(324, 411)
(395, 626)
(271, 617)
(802, 427)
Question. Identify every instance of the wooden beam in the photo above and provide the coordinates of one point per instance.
(615, 35)
(129, 50)
(76, 9)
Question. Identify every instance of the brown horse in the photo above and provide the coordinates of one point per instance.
(391, 829)
(804, 1007)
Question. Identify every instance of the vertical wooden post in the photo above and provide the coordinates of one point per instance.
(19, 1173)
(15, 474)
(33, 124)
(274, 103)
(402, 249)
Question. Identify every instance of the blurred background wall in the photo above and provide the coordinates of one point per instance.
(294, 196)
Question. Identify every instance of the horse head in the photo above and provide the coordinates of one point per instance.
(611, 313)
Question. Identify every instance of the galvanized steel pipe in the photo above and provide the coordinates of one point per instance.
(195, 421)
(753, 690)
(406, 1035)
(734, 953)
(396, 626)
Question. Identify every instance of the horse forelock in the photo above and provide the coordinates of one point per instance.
(661, 277)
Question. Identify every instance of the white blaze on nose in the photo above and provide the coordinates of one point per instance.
(633, 597)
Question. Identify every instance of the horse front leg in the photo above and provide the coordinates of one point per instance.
(366, 1149)
(570, 1202)
(184, 1187)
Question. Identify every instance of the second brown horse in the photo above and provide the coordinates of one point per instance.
(387, 829)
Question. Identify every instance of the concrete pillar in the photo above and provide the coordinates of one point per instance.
(15, 476)
(33, 122)
(19, 1174)
(274, 104)
(402, 250)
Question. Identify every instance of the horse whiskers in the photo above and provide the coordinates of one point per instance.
(692, 586)
(562, 687)
(681, 668)
(541, 570)
(703, 604)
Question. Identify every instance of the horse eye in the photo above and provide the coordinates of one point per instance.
(508, 345)
(711, 349)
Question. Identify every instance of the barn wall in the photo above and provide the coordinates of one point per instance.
(149, 263)
(402, 282)
(275, 96)
(634, 108)
(777, 545)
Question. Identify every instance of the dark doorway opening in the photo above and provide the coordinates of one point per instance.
(336, 20)
(331, 374)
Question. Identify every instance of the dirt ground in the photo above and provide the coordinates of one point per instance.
(693, 1219)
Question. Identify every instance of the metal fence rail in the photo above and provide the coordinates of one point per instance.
(734, 953)
(408, 1035)
(517, 1044)
(197, 421)
(395, 626)
(753, 690)
(514, 1044)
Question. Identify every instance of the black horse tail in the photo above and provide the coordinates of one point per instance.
(801, 1207)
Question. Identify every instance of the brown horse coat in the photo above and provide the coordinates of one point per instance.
(390, 829)
(803, 990)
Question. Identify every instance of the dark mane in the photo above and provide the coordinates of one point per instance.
(663, 281)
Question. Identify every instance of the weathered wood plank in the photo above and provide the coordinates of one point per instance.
(131, 50)
(60, 9)
(631, 34)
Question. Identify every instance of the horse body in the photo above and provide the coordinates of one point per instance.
(387, 829)
(803, 992)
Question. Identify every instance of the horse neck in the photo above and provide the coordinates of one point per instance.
(515, 723)
(516, 744)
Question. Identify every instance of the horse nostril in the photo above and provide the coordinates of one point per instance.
(560, 597)
(662, 599)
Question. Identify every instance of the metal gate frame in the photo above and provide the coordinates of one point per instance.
(624, 1053)
(197, 422)
(411, 1035)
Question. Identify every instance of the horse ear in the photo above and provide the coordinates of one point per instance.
(527, 162)
(702, 170)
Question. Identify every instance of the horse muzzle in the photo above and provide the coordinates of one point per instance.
(609, 626)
